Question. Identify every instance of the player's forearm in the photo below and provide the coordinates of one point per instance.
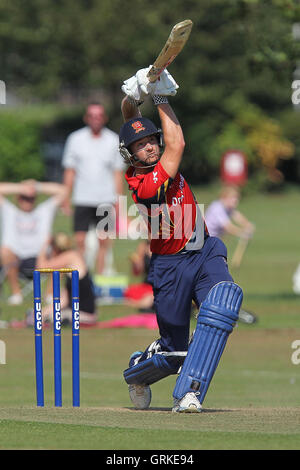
(173, 139)
(240, 219)
(172, 131)
(246, 227)
(129, 109)
(232, 229)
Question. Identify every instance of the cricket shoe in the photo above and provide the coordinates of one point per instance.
(140, 394)
(189, 403)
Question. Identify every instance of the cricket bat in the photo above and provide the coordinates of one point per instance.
(175, 43)
(239, 252)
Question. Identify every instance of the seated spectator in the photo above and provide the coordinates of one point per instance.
(25, 227)
(59, 253)
(141, 295)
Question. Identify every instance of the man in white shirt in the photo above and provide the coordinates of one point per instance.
(93, 171)
(25, 227)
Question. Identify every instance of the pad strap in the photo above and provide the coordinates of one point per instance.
(157, 367)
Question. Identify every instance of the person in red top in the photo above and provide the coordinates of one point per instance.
(186, 264)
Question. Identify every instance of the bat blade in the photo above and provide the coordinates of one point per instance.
(239, 252)
(175, 43)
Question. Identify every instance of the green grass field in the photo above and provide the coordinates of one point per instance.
(253, 401)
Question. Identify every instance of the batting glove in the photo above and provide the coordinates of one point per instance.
(165, 85)
(139, 87)
(132, 88)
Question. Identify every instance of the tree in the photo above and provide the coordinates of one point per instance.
(53, 49)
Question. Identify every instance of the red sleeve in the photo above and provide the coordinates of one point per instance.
(152, 182)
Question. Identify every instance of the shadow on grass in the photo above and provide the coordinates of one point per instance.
(169, 410)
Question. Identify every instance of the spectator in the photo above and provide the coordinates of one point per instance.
(141, 295)
(93, 171)
(222, 216)
(58, 253)
(25, 227)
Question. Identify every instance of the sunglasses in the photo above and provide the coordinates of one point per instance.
(27, 198)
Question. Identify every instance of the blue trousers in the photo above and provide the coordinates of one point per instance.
(179, 279)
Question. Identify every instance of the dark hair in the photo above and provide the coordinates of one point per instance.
(61, 242)
(94, 103)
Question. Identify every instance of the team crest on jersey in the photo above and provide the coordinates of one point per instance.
(138, 126)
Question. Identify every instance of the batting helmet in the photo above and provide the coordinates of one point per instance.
(134, 130)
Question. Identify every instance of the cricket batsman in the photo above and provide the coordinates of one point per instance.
(187, 264)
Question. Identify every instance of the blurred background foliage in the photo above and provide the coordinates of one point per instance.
(235, 76)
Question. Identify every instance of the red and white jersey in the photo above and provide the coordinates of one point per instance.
(168, 205)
